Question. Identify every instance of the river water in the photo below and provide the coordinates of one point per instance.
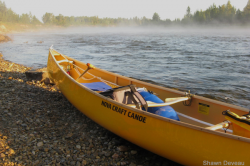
(214, 63)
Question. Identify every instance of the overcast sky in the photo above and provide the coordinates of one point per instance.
(167, 9)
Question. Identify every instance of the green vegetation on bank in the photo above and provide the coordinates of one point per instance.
(214, 15)
(225, 14)
(7, 15)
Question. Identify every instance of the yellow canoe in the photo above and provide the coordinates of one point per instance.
(194, 140)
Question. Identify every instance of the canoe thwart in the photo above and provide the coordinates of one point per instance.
(221, 125)
(169, 101)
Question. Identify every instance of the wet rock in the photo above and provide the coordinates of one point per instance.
(34, 75)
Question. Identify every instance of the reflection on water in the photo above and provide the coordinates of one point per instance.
(211, 63)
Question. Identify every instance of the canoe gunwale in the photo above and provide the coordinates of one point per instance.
(184, 124)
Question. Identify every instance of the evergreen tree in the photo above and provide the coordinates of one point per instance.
(35, 21)
(25, 19)
(188, 12)
(246, 12)
(239, 16)
(156, 17)
(229, 12)
(221, 14)
(48, 18)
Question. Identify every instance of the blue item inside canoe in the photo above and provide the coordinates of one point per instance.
(165, 111)
(97, 86)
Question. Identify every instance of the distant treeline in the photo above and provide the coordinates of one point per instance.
(7, 15)
(225, 14)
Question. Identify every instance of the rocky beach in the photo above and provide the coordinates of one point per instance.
(4, 38)
(39, 126)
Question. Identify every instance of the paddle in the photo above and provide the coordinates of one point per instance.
(90, 66)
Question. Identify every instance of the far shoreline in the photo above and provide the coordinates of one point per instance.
(7, 29)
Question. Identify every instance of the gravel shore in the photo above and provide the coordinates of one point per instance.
(38, 126)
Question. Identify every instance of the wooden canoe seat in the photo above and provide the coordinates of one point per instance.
(64, 60)
(219, 126)
(57, 54)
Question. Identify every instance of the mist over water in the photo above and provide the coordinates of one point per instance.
(210, 62)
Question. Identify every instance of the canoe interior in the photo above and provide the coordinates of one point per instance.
(188, 141)
(201, 109)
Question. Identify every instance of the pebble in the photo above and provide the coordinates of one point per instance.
(84, 162)
(122, 148)
(2, 155)
(78, 146)
(132, 164)
(39, 144)
(115, 156)
(36, 162)
(39, 126)
(133, 152)
(107, 154)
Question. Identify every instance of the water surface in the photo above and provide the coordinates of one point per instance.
(209, 62)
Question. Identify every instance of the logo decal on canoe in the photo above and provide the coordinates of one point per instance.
(203, 108)
(124, 112)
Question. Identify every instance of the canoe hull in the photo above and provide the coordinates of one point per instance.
(178, 141)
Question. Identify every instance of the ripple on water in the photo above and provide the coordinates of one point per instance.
(214, 64)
